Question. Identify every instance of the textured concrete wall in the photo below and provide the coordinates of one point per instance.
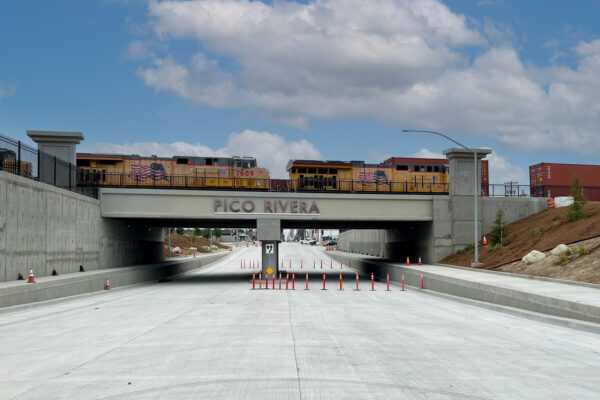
(514, 209)
(48, 229)
(362, 241)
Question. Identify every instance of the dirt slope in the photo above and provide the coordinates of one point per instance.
(184, 242)
(542, 231)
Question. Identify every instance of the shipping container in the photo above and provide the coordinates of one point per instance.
(554, 180)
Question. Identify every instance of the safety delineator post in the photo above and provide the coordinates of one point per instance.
(323, 282)
(306, 288)
(273, 276)
(241, 264)
(31, 277)
(388, 283)
(422, 286)
(314, 264)
(107, 286)
(254, 281)
(341, 264)
(321, 264)
(287, 280)
(407, 261)
(331, 264)
(420, 263)
(403, 282)
(357, 283)
(341, 287)
(372, 282)
(194, 253)
(266, 281)
(199, 264)
(279, 280)
(260, 280)
(293, 281)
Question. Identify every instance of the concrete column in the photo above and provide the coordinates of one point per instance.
(268, 231)
(62, 146)
(462, 179)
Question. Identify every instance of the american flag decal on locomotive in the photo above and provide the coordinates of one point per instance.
(155, 171)
(378, 177)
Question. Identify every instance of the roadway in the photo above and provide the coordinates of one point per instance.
(208, 335)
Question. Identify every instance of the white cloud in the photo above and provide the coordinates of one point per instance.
(272, 151)
(426, 153)
(402, 62)
(377, 156)
(7, 89)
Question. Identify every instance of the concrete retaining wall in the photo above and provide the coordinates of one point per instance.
(476, 291)
(47, 228)
(50, 288)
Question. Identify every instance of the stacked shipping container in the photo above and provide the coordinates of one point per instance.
(554, 180)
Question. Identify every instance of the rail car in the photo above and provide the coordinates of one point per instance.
(396, 174)
(179, 171)
(9, 163)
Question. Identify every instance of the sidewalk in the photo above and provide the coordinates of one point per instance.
(565, 299)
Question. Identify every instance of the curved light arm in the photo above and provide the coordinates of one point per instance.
(441, 134)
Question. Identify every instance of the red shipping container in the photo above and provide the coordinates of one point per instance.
(554, 180)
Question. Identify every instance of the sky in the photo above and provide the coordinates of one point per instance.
(323, 79)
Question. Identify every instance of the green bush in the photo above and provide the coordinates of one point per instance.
(499, 231)
(568, 253)
(582, 251)
(495, 247)
(563, 258)
(576, 210)
(556, 218)
(179, 231)
(537, 232)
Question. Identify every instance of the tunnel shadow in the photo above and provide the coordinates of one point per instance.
(219, 278)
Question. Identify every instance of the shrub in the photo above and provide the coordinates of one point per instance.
(537, 232)
(179, 231)
(499, 231)
(20, 276)
(568, 253)
(563, 258)
(556, 218)
(576, 210)
(495, 247)
(582, 251)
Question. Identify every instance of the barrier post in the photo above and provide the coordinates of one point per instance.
(306, 281)
(314, 264)
(372, 282)
(403, 282)
(422, 286)
(388, 282)
(287, 280)
(273, 276)
(293, 281)
(341, 287)
(260, 280)
(321, 264)
(357, 282)
(279, 280)
(266, 281)
(323, 282)
(331, 264)
(341, 265)
(254, 281)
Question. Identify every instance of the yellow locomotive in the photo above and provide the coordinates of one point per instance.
(179, 171)
(406, 175)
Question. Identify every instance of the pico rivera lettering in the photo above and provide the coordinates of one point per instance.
(247, 206)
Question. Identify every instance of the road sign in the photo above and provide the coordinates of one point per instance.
(269, 270)
(270, 249)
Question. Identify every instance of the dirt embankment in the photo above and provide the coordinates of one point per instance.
(544, 231)
(186, 241)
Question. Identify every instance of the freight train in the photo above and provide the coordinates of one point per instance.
(200, 172)
(402, 175)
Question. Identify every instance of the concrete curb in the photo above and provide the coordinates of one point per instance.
(49, 288)
(478, 291)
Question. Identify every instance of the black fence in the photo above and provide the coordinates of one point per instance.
(20, 159)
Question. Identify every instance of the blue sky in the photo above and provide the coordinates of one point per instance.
(331, 79)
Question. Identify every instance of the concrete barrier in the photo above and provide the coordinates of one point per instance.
(48, 288)
(476, 290)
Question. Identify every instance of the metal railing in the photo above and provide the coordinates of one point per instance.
(20, 159)
(162, 181)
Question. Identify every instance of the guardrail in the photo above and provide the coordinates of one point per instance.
(20, 159)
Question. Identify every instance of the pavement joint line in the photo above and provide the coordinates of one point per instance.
(294, 346)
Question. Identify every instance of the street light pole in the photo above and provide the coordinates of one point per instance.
(475, 194)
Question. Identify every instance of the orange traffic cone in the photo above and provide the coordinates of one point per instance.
(107, 286)
(31, 278)
(484, 240)
(407, 261)
(420, 263)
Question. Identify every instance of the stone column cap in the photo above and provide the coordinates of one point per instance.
(464, 153)
(55, 136)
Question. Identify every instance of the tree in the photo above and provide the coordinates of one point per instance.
(499, 231)
(179, 231)
(217, 232)
(206, 233)
(576, 210)
(197, 232)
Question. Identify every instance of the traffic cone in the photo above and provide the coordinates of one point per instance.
(407, 261)
(107, 286)
(372, 253)
(420, 263)
(31, 277)
(484, 240)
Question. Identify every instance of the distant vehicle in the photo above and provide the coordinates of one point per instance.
(312, 242)
(331, 243)
(305, 241)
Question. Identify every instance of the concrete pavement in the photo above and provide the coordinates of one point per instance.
(207, 335)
